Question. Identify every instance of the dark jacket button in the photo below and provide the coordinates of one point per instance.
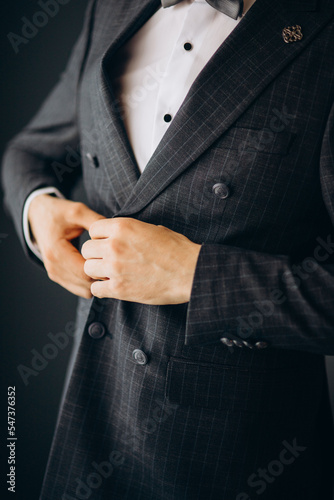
(227, 342)
(96, 330)
(93, 160)
(261, 345)
(248, 344)
(139, 357)
(221, 190)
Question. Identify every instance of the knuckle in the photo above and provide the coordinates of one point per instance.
(75, 210)
(118, 286)
(117, 230)
(125, 221)
(117, 269)
(122, 225)
(116, 246)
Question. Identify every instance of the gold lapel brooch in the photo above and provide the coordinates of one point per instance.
(292, 34)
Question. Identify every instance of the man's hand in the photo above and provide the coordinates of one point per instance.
(139, 262)
(54, 223)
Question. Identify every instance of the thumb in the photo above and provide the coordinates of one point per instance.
(84, 217)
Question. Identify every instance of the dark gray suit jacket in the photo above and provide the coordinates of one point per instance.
(225, 397)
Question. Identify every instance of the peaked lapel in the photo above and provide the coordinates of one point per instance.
(244, 65)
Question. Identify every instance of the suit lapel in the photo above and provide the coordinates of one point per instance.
(108, 111)
(252, 56)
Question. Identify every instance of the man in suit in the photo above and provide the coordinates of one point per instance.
(207, 284)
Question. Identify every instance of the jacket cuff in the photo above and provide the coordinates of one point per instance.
(205, 324)
(215, 310)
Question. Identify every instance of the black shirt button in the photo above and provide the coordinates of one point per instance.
(96, 330)
(187, 46)
(93, 160)
(221, 190)
(168, 118)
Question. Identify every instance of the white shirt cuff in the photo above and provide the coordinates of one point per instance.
(32, 245)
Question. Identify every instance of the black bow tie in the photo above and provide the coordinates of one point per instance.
(232, 8)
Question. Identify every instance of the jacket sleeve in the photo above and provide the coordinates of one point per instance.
(38, 156)
(267, 300)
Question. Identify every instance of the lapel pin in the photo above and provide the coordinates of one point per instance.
(292, 34)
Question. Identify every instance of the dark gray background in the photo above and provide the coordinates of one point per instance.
(32, 306)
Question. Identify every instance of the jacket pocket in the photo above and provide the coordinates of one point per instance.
(254, 141)
(222, 387)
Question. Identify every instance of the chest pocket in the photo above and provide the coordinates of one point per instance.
(249, 141)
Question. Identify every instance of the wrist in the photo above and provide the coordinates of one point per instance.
(37, 204)
(37, 210)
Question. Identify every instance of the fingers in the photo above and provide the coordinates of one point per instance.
(95, 268)
(55, 222)
(113, 227)
(68, 270)
(101, 228)
(92, 250)
(100, 289)
(79, 291)
(74, 262)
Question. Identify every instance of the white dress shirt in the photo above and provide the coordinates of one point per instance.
(154, 71)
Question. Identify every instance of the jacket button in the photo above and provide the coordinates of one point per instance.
(139, 357)
(248, 344)
(96, 330)
(93, 160)
(261, 345)
(227, 342)
(238, 343)
(221, 190)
